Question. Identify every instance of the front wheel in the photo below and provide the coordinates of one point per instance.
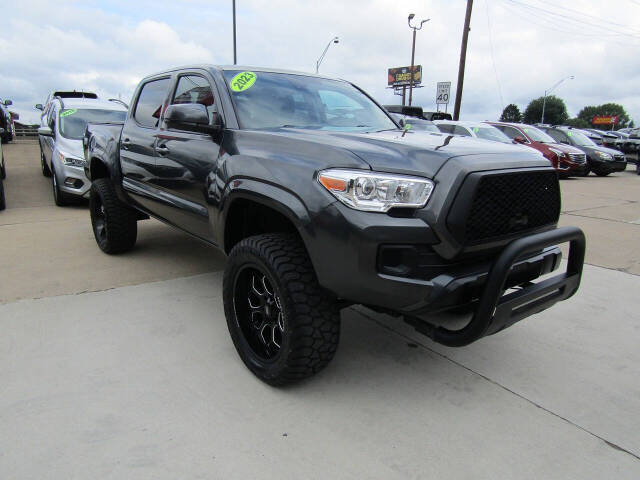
(43, 164)
(60, 198)
(284, 326)
(114, 224)
(602, 173)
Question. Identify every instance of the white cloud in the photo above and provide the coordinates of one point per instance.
(109, 46)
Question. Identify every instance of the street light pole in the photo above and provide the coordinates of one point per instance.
(333, 40)
(547, 92)
(413, 51)
(235, 58)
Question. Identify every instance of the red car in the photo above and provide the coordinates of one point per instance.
(566, 160)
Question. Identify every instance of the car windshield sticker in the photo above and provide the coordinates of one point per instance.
(569, 133)
(475, 129)
(243, 81)
(66, 113)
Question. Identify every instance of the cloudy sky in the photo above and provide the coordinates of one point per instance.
(517, 48)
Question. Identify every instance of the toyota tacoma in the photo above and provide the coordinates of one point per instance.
(320, 201)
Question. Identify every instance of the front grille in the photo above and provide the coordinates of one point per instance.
(578, 157)
(619, 158)
(505, 204)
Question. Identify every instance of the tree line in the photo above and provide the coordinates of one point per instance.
(555, 113)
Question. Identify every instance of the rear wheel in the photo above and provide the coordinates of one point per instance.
(284, 326)
(114, 223)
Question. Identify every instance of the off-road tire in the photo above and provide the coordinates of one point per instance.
(119, 221)
(311, 316)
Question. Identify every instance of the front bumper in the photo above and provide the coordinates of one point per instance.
(72, 180)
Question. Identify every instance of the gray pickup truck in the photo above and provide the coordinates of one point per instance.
(321, 201)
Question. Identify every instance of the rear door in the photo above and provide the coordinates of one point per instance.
(187, 162)
(138, 141)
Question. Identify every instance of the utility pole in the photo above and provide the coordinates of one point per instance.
(463, 59)
(235, 58)
(413, 54)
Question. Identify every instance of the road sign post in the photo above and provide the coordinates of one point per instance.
(443, 90)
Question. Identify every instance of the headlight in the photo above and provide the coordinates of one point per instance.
(71, 161)
(376, 192)
(604, 156)
(559, 153)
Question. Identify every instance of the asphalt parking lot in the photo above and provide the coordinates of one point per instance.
(122, 367)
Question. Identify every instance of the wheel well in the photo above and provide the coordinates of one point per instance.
(98, 169)
(247, 218)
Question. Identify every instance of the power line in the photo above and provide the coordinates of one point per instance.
(573, 21)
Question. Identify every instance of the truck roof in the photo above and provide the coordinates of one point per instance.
(251, 68)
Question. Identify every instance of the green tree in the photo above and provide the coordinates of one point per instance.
(555, 111)
(588, 112)
(511, 113)
(578, 123)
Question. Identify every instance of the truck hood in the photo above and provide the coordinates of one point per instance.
(417, 153)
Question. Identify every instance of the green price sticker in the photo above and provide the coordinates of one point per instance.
(569, 133)
(475, 129)
(243, 81)
(66, 113)
(407, 126)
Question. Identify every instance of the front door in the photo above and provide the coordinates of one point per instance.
(186, 161)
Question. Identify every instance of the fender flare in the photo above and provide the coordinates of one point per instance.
(269, 195)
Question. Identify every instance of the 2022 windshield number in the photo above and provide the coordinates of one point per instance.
(240, 83)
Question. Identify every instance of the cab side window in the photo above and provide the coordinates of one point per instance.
(194, 89)
(150, 102)
(445, 128)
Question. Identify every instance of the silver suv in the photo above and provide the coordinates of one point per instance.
(60, 137)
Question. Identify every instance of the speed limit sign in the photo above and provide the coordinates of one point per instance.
(442, 93)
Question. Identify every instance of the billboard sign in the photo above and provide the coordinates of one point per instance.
(443, 93)
(604, 119)
(401, 76)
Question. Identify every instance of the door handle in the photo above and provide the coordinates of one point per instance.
(162, 149)
(125, 143)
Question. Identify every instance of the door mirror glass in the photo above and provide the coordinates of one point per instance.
(192, 117)
(45, 131)
(8, 102)
(39, 107)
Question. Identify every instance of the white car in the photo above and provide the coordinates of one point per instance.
(60, 137)
(480, 130)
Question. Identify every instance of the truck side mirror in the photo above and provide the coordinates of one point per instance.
(38, 106)
(192, 117)
(7, 103)
(45, 131)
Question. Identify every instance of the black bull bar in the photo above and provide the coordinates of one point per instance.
(496, 311)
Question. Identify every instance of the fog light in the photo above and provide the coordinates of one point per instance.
(73, 182)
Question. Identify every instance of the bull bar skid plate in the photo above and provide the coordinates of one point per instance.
(496, 311)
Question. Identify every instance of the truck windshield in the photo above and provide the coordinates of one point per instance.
(74, 121)
(278, 100)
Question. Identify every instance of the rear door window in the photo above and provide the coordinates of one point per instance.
(511, 132)
(458, 130)
(150, 102)
(445, 128)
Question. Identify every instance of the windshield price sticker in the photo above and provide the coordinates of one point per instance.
(66, 113)
(243, 81)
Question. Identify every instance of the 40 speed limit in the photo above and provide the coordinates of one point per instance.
(442, 93)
